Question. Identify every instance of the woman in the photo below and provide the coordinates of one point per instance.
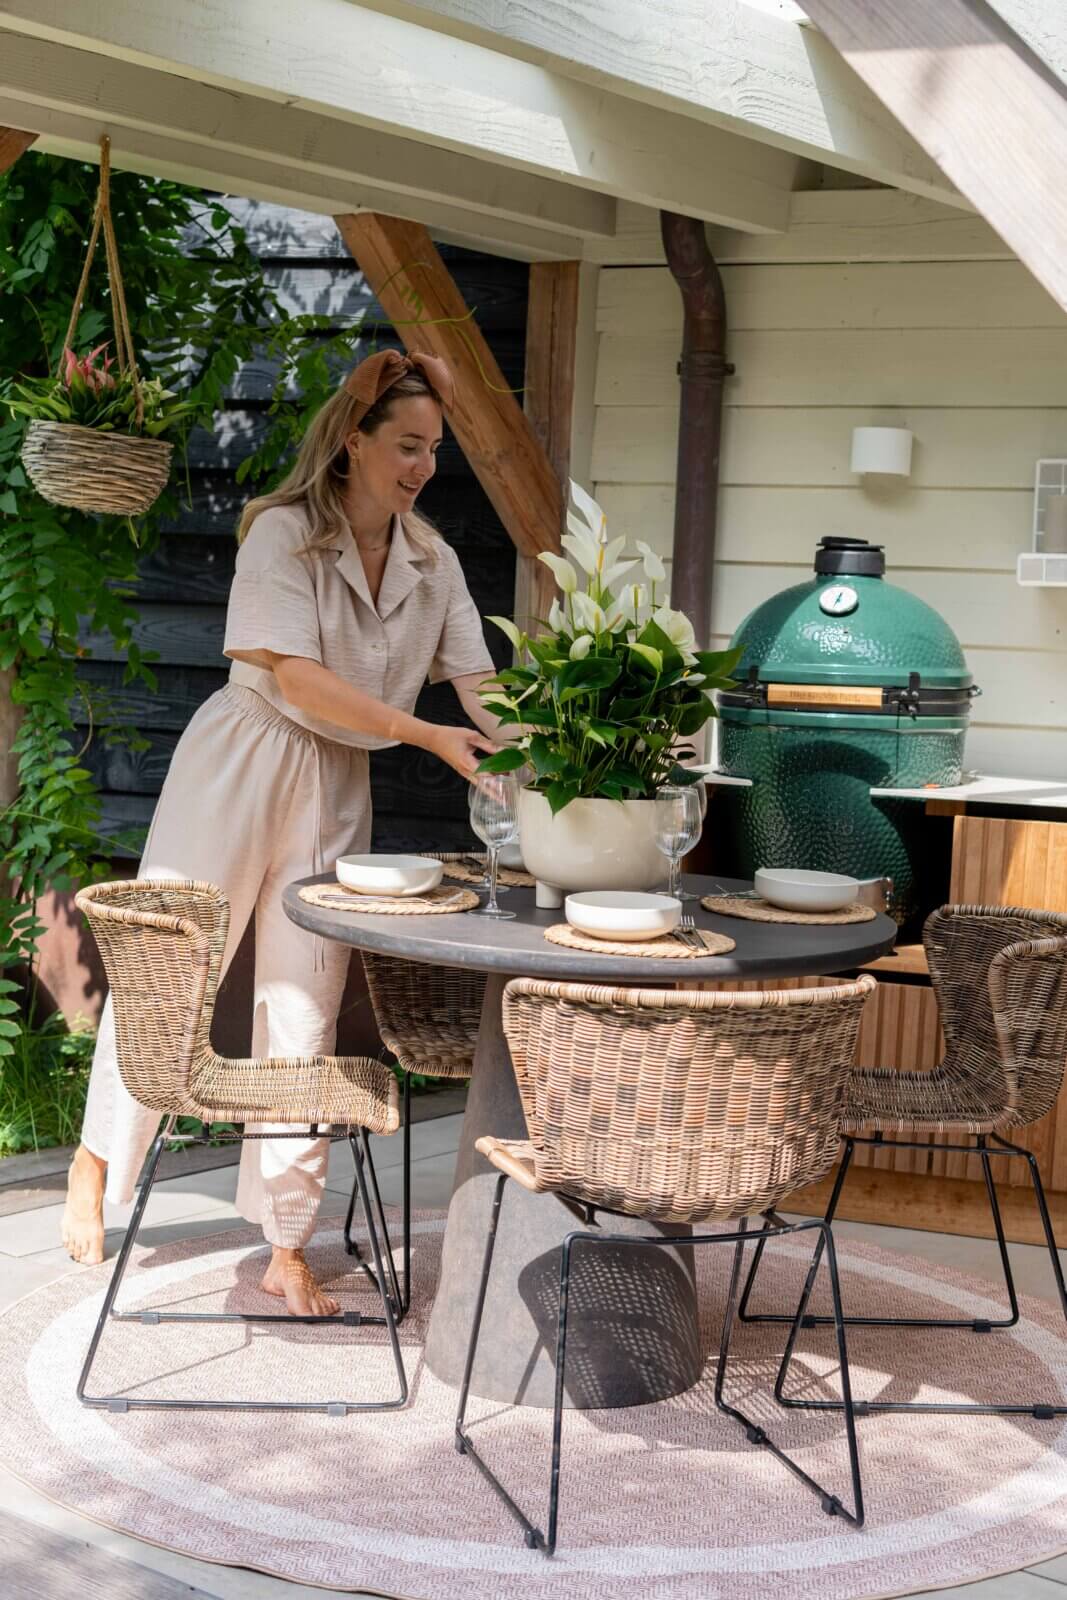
(344, 601)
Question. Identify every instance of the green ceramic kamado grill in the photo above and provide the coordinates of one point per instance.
(847, 683)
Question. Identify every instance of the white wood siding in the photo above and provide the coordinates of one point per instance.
(971, 355)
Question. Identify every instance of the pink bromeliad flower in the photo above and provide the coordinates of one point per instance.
(95, 378)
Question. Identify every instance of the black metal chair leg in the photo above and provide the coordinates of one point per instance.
(113, 1402)
(960, 1324)
(743, 1313)
(363, 1158)
(549, 1545)
(533, 1536)
(151, 1317)
(402, 1299)
(758, 1436)
(464, 1444)
(1046, 1218)
(387, 1307)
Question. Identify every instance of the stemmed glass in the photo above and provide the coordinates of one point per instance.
(678, 823)
(494, 808)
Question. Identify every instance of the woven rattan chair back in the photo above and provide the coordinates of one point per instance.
(1000, 973)
(161, 945)
(681, 1105)
(427, 1016)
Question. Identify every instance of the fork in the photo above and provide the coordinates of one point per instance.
(687, 932)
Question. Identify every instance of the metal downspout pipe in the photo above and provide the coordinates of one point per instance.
(701, 369)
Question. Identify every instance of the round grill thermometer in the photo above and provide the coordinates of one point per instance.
(838, 600)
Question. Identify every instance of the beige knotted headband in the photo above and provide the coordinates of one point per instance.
(370, 380)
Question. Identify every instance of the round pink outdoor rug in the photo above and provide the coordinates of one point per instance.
(664, 1502)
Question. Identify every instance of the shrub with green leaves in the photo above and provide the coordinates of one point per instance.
(199, 307)
(604, 700)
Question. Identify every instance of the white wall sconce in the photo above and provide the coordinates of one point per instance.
(886, 450)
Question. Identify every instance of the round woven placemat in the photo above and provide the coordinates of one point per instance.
(335, 897)
(662, 949)
(467, 866)
(732, 905)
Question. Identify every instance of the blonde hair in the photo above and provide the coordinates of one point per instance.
(318, 477)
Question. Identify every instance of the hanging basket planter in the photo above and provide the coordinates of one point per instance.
(120, 467)
(116, 473)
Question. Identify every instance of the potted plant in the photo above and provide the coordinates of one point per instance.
(94, 435)
(603, 701)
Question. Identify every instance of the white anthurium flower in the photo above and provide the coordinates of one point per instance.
(581, 647)
(588, 508)
(637, 595)
(588, 614)
(507, 627)
(557, 621)
(616, 619)
(561, 570)
(611, 550)
(581, 544)
(654, 567)
(610, 577)
(678, 628)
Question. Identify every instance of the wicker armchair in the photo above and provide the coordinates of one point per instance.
(674, 1106)
(1000, 975)
(162, 944)
(428, 1018)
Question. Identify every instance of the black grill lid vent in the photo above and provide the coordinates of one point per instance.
(855, 558)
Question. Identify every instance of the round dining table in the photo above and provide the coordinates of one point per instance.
(633, 1330)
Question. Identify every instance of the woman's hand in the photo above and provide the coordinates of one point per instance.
(461, 748)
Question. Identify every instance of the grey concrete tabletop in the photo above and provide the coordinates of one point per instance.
(519, 948)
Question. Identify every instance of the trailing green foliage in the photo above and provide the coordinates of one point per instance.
(199, 307)
(43, 1082)
(606, 698)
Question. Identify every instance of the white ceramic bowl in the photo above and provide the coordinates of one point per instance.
(795, 890)
(389, 875)
(511, 856)
(622, 913)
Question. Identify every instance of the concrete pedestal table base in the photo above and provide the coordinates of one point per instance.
(632, 1332)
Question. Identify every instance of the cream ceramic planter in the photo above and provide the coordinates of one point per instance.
(590, 844)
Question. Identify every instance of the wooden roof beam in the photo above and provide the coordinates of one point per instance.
(46, 76)
(723, 63)
(398, 257)
(77, 137)
(13, 142)
(991, 113)
(378, 72)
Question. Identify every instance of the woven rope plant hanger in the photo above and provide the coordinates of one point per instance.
(70, 465)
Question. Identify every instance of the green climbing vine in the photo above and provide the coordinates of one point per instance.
(199, 307)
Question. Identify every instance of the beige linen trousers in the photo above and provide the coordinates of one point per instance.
(258, 794)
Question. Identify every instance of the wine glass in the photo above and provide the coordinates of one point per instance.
(677, 826)
(701, 791)
(494, 808)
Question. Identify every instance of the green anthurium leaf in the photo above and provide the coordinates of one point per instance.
(648, 654)
(694, 715)
(585, 677)
(507, 760)
(719, 663)
(560, 794)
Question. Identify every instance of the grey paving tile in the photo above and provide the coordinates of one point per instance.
(1010, 1586)
(1055, 1570)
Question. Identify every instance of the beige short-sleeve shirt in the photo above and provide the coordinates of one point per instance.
(317, 604)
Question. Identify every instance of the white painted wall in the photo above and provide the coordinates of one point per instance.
(971, 355)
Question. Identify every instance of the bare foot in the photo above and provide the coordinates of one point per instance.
(290, 1277)
(83, 1214)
